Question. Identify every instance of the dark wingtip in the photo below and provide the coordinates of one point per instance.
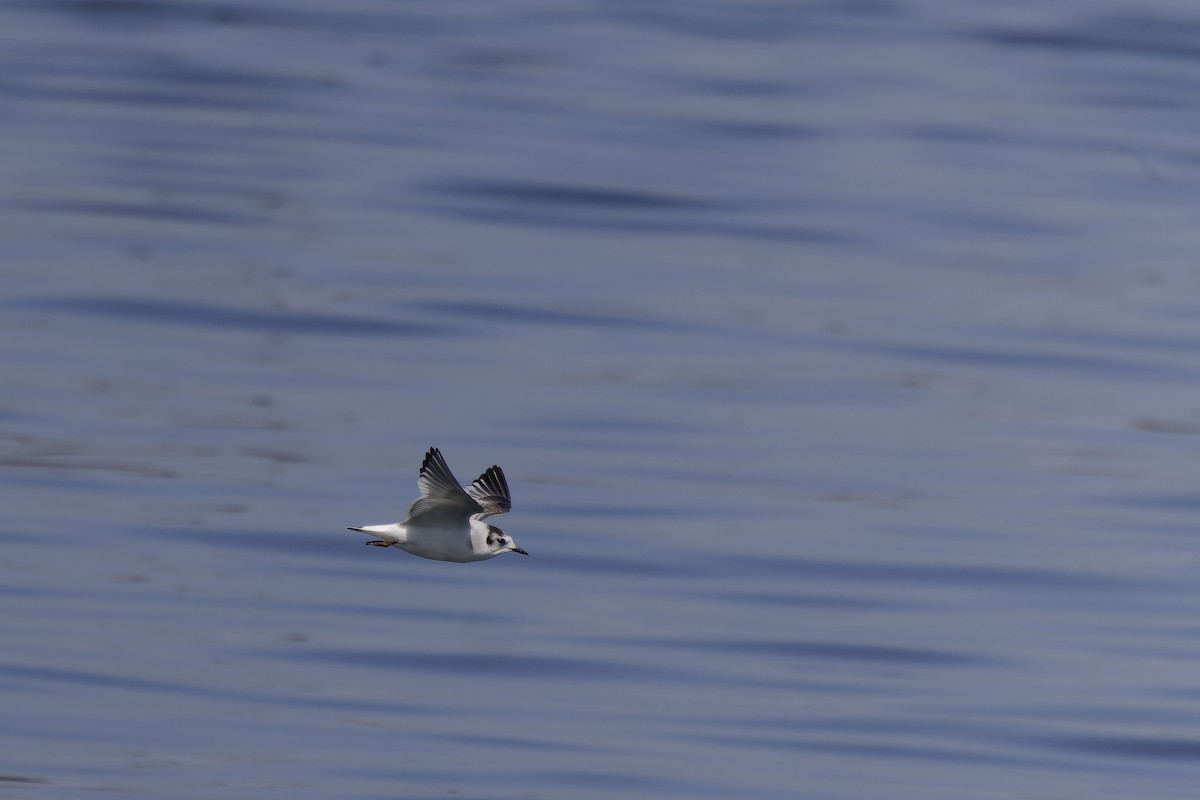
(433, 456)
(356, 530)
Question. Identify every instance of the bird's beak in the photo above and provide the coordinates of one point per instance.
(519, 550)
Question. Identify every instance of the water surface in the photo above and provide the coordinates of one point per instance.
(839, 357)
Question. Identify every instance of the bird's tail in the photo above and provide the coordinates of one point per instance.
(391, 533)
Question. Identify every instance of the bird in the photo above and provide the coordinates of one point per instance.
(446, 523)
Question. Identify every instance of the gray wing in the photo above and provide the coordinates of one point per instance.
(442, 496)
(490, 491)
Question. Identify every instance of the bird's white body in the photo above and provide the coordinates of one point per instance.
(446, 523)
(467, 542)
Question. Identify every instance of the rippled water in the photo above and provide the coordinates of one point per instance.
(841, 357)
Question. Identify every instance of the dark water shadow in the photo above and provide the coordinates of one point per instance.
(510, 742)
(160, 211)
(549, 196)
(512, 666)
(475, 311)
(821, 651)
(26, 591)
(1157, 36)
(217, 317)
(131, 76)
(760, 22)
(1181, 502)
(634, 224)
(1154, 748)
(24, 678)
(1100, 367)
(1151, 344)
(873, 750)
(544, 205)
(153, 14)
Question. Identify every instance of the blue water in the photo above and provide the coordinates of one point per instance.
(840, 356)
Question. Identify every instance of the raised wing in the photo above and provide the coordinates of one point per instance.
(441, 492)
(490, 491)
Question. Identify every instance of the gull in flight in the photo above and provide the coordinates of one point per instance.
(446, 522)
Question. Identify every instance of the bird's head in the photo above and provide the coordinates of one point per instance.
(500, 542)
